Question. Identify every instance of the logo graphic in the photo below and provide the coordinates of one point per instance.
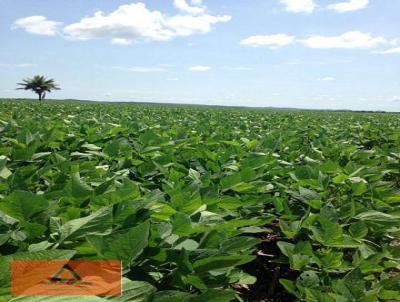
(66, 278)
(75, 276)
(59, 277)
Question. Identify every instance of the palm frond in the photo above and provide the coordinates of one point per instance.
(38, 84)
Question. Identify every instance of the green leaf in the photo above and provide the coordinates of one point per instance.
(286, 248)
(7, 220)
(238, 244)
(359, 229)
(290, 287)
(290, 229)
(98, 223)
(182, 224)
(23, 205)
(308, 194)
(40, 155)
(328, 233)
(230, 181)
(391, 295)
(134, 291)
(352, 286)
(359, 188)
(219, 262)
(308, 279)
(125, 245)
(341, 178)
(171, 296)
(241, 277)
(377, 216)
(211, 295)
(4, 171)
(215, 295)
(188, 245)
(79, 189)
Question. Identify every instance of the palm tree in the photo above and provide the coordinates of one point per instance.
(39, 84)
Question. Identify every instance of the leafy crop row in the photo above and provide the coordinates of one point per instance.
(205, 204)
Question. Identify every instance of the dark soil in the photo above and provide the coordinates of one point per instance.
(267, 288)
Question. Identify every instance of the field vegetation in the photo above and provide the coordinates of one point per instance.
(205, 204)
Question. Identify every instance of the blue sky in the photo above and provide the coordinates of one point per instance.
(284, 53)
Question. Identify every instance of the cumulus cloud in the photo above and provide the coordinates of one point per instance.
(191, 9)
(185, 25)
(135, 21)
(299, 6)
(139, 69)
(38, 25)
(200, 68)
(388, 51)
(121, 41)
(271, 41)
(352, 5)
(348, 40)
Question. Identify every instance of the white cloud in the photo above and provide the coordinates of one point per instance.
(121, 41)
(133, 22)
(139, 69)
(185, 7)
(271, 41)
(200, 68)
(348, 40)
(388, 51)
(328, 79)
(38, 25)
(186, 25)
(349, 6)
(173, 79)
(299, 6)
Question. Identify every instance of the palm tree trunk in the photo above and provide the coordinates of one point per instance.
(40, 97)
